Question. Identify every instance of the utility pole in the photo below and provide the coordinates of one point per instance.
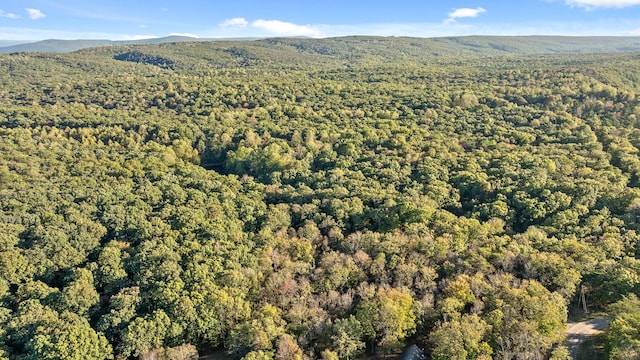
(583, 300)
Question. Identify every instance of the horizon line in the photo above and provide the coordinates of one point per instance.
(318, 37)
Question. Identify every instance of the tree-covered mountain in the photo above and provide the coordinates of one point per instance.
(479, 45)
(66, 46)
(317, 198)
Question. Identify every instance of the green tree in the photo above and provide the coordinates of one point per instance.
(123, 308)
(80, 295)
(346, 337)
(258, 334)
(526, 320)
(388, 317)
(461, 338)
(110, 273)
(71, 337)
(623, 337)
(144, 334)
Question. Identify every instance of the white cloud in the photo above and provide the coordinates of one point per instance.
(8, 15)
(590, 4)
(34, 14)
(235, 23)
(184, 34)
(285, 28)
(464, 13)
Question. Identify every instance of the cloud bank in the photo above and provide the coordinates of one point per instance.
(464, 13)
(184, 34)
(590, 4)
(34, 14)
(273, 27)
(239, 23)
(8, 15)
(284, 28)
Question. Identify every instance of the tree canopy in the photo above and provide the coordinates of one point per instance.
(295, 198)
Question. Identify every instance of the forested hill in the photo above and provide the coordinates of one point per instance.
(464, 45)
(317, 198)
(65, 46)
(487, 45)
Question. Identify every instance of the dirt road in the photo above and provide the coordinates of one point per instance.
(577, 332)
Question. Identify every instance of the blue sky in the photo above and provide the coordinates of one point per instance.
(132, 19)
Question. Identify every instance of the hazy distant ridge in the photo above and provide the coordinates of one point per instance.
(487, 45)
(65, 46)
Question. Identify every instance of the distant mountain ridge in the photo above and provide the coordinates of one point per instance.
(66, 46)
(480, 45)
(549, 44)
(4, 43)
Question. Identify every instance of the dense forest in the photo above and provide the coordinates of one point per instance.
(316, 199)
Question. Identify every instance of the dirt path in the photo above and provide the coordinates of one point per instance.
(577, 332)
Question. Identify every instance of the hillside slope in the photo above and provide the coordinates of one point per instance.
(411, 46)
(317, 198)
(66, 46)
